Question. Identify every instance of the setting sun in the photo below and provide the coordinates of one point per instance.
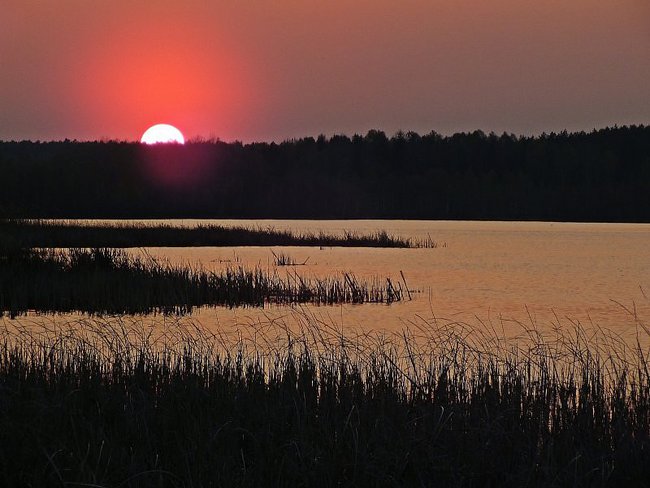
(162, 133)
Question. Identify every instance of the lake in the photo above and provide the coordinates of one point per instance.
(505, 275)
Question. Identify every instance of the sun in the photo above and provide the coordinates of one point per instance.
(162, 133)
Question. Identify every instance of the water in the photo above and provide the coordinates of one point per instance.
(507, 274)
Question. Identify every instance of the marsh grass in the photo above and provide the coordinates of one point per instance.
(120, 403)
(283, 259)
(69, 234)
(112, 281)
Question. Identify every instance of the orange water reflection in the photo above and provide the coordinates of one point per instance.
(511, 275)
(503, 278)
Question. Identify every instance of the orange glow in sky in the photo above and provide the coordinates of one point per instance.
(276, 70)
(164, 73)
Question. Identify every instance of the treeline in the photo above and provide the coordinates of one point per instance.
(603, 175)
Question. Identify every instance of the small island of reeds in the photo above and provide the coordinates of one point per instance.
(111, 281)
(67, 234)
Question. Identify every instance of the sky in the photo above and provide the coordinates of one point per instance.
(265, 70)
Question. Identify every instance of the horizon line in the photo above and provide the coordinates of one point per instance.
(199, 139)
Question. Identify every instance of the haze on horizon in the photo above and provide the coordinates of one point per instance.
(277, 70)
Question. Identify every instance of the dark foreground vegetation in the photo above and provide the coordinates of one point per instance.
(117, 411)
(110, 281)
(40, 233)
(598, 176)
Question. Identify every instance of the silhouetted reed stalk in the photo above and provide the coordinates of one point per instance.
(121, 402)
(110, 281)
(68, 234)
(282, 259)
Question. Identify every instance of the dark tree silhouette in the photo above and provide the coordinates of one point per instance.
(603, 175)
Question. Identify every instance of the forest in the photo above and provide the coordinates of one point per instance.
(603, 175)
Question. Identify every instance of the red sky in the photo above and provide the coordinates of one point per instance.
(271, 70)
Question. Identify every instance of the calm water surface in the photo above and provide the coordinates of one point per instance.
(501, 272)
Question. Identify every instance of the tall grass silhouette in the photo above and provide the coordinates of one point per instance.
(45, 233)
(117, 403)
(112, 281)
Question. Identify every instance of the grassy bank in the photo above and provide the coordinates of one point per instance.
(38, 233)
(111, 281)
(122, 408)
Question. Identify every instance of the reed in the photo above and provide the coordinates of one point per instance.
(114, 404)
(111, 281)
(283, 259)
(68, 234)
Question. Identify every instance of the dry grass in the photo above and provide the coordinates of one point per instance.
(123, 402)
(67, 234)
(110, 281)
